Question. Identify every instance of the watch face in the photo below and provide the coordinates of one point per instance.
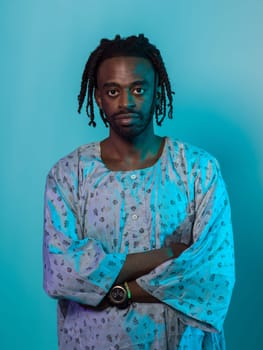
(118, 294)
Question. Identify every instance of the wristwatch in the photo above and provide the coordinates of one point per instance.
(118, 296)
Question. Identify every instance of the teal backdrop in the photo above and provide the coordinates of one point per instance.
(214, 54)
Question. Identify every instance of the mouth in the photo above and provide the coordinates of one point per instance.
(127, 116)
(127, 119)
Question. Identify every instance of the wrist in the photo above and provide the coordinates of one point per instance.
(120, 296)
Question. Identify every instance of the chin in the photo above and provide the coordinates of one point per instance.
(129, 134)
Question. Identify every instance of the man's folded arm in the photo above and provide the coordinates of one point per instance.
(80, 269)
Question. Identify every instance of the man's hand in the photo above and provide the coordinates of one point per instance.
(178, 248)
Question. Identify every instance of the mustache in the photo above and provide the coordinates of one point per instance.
(125, 111)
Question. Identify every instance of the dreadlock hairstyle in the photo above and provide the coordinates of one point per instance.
(135, 46)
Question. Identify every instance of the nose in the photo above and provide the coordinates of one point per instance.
(126, 100)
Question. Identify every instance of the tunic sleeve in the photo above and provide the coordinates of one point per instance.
(199, 282)
(75, 267)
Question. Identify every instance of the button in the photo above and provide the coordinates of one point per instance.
(133, 176)
(134, 217)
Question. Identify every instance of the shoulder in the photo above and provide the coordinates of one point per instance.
(71, 163)
(195, 166)
(191, 155)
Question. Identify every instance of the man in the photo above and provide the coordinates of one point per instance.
(138, 243)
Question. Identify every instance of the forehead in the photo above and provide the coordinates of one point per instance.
(125, 69)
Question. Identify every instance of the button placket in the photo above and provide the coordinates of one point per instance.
(133, 217)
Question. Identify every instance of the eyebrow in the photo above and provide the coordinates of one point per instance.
(134, 83)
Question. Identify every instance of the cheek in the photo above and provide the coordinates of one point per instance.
(146, 104)
(107, 105)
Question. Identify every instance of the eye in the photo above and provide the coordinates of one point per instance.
(138, 91)
(113, 92)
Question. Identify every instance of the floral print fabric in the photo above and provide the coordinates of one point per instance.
(94, 217)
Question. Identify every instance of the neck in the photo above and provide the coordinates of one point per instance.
(127, 154)
(136, 145)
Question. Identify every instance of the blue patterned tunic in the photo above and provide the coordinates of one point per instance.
(94, 217)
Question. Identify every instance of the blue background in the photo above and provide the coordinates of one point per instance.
(213, 53)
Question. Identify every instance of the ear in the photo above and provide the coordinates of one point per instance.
(98, 98)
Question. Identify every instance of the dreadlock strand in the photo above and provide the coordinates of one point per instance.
(103, 118)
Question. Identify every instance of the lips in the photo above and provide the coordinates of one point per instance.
(127, 119)
(129, 116)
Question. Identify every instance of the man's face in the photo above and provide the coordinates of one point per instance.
(126, 93)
